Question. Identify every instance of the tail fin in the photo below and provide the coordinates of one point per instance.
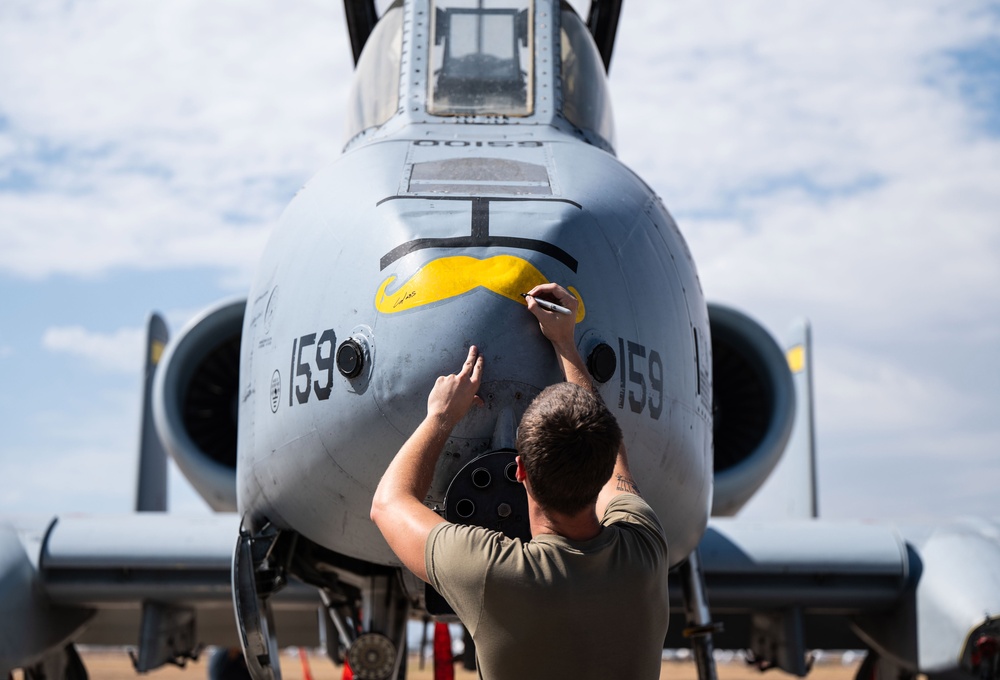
(801, 450)
(151, 486)
(790, 492)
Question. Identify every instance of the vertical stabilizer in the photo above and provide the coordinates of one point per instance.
(151, 486)
(790, 491)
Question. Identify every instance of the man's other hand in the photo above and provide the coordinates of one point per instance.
(453, 395)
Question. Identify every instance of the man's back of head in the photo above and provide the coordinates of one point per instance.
(568, 441)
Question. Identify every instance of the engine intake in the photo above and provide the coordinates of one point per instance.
(753, 410)
(196, 401)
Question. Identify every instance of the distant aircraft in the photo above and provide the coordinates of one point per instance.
(480, 163)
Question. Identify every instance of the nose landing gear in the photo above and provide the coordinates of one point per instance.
(366, 606)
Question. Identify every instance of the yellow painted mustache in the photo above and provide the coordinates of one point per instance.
(449, 277)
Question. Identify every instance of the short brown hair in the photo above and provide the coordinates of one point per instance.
(568, 441)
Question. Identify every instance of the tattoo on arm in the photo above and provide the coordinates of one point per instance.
(627, 484)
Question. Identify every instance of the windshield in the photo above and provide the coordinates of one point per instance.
(585, 98)
(375, 90)
(481, 58)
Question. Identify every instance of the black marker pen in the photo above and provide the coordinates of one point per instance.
(545, 304)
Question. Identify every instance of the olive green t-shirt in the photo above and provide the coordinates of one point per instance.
(555, 608)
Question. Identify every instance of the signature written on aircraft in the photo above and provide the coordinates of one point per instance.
(409, 294)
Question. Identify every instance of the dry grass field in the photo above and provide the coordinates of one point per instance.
(115, 665)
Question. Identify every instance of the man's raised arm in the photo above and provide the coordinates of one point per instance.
(560, 330)
(398, 505)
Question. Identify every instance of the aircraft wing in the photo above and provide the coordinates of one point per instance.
(923, 597)
(156, 581)
(781, 582)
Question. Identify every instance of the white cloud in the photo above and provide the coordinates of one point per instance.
(757, 91)
(817, 156)
(83, 457)
(871, 394)
(156, 137)
(84, 478)
(926, 475)
(120, 351)
(77, 477)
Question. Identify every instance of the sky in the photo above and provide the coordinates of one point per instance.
(837, 161)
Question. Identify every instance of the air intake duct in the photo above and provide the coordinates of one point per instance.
(196, 402)
(753, 409)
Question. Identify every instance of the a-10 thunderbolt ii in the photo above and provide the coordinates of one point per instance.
(480, 163)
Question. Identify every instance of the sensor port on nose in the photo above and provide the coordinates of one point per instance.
(602, 363)
(465, 508)
(350, 358)
(481, 477)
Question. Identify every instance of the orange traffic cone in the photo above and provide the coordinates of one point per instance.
(444, 664)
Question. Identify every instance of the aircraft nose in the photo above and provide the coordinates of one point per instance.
(414, 348)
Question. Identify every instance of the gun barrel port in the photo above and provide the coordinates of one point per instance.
(481, 477)
(465, 508)
(510, 472)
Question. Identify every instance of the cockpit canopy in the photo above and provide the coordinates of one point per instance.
(481, 58)
(481, 62)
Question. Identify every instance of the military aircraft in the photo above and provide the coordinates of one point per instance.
(480, 163)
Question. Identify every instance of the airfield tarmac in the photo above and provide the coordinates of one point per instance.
(115, 665)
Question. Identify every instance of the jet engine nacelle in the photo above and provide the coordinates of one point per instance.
(196, 399)
(754, 406)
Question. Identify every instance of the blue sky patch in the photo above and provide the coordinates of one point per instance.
(978, 82)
